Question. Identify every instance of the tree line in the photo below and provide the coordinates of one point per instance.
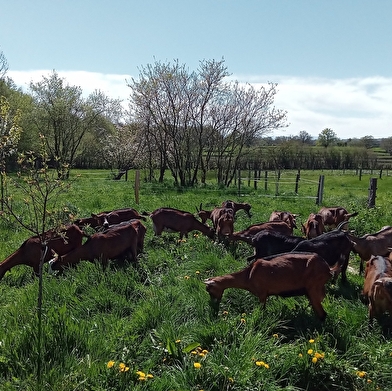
(181, 122)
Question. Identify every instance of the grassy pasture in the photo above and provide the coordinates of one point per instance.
(153, 318)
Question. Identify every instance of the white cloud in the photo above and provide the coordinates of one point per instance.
(353, 108)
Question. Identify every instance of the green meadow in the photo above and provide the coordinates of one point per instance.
(149, 325)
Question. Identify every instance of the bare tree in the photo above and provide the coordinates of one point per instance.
(242, 114)
(194, 117)
(64, 116)
(3, 65)
(174, 102)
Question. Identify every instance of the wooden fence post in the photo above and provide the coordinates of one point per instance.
(266, 180)
(296, 182)
(255, 179)
(137, 186)
(239, 182)
(320, 190)
(372, 192)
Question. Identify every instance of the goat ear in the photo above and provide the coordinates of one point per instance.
(208, 281)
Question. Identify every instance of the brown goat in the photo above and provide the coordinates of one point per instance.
(377, 287)
(140, 230)
(247, 234)
(288, 217)
(286, 275)
(30, 252)
(223, 221)
(376, 267)
(117, 242)
(380, 297)
(105, 219)
(332, 217)
(236, 206)
(174, 220)
(313, 226)
(372, 244)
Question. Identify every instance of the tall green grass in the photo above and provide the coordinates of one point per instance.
(154, 319)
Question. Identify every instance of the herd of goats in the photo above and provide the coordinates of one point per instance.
(282, 264)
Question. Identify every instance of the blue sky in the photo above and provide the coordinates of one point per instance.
(332, 60)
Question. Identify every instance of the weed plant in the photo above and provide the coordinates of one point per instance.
(149, 325)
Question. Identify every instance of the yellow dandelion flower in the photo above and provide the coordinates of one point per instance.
(140, 374)
(314, 360)
(149, 376)
(178, 340)
(231, 380)
(205, 351)
(197, 272)
(319, 355)
(243, 314)
(275, 335)
(201, 354)
(266, 365)
(310, 352)
(110, 364)
(194, 352)
(260, 363)
(197, 365)
(187, 277)
(311, 340)
(121, 366)
(226, 313)
(368, 380)
(361, 374)
(300, 355)
(243, 321)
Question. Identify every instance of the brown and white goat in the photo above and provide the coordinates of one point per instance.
(174, 220)
(313, 226)
(288, 217)
(372, 244)
(236, 206)
(333, 216)
(286, 275)
(377, 287)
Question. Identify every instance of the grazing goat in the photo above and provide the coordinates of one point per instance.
(140, 230)
(288, 217)
(290, 274)
(118, 242)
(174, 220)
(247, 234)
(30, 252)
(332, 217)
(313, 226)
(105, 219)
(372, 244)
(334, 246)
(268, 243)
